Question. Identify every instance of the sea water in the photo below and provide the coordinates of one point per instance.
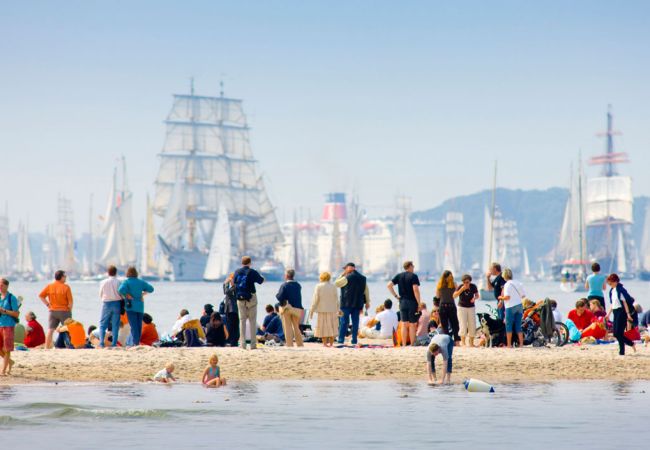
(169, 298)
(334, 415)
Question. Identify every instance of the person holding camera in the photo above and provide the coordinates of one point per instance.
(8, 320)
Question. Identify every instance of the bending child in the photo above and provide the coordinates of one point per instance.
(212, 374)
(165, 375)
(443, 345)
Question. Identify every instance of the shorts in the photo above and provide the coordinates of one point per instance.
(407, 310)
(7, 339)
(514, 317)
(57, 318)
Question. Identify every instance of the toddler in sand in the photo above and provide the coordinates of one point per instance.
(212, 374)
(165, 375)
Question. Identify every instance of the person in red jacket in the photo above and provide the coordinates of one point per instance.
(581, 316)
(35, 335)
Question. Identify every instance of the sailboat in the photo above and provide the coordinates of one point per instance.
(207, 162)
(4, 242)
(644, 273)
(570, 251)
(119, 247)
(489, 245)
(219, 257)
(65, 238)
(148, 246)
(24, 267)
(454, 229)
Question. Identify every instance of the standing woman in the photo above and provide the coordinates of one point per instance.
(230, 310)
(133, 290)
(621, 304)
(596, 285)
(325, 303)
(511, 297)
(467, 294)
(448, 313)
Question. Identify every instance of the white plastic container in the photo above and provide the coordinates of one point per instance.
(474, 385)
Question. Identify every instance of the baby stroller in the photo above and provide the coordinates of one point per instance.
(539, 326)
(493, 328)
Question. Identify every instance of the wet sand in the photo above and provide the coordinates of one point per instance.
(314, 362)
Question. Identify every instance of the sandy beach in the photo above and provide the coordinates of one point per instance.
(316, 363)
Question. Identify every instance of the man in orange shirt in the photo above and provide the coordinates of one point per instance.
(57, 296)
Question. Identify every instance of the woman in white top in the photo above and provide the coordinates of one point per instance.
(511, 297)
(325, 303)
(621, 305)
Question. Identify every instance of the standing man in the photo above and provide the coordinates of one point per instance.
(244, 280)
(111, 306)
(8, 320)
(291, 310)
(57, 296)
(354, 294)
(495, 283)
(408, 285)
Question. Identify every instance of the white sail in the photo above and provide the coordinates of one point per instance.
(411, 247)
(621, 260)
(454, 229)
(4, 242)
(24, 262)
(488, 233)
(526, 263)
(609, 198)
(571, 244)
(173, 225)
(119, 247)
(645, 241)
(219, 258)
(65, 237)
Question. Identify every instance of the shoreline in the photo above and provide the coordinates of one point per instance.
(315, 363)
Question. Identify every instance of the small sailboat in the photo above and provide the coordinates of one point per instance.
(24, 269)
(219, 258)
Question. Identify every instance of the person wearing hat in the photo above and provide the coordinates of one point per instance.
(354, 295)
(208, 309)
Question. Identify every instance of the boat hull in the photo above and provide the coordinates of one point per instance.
(188, 265)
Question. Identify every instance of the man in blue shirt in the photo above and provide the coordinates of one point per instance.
(291, 310)
(245, 279)
(8, 320)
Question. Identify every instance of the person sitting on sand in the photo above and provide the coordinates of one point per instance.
(216, 334)
(35, 335)
(212, 374)
(596, 309)
(165, 375)
(443, 345)
(270, 315)
(581, 316)
(149, 331)
(71, 335)
(388, 323)
(273, 330)
(422, 331)
(434, 318)
(183, 318)
(208, 309)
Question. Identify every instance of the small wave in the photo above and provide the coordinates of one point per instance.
(74, 412)
(43, 405)
(8, 420)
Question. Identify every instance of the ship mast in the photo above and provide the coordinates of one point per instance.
(494, 206)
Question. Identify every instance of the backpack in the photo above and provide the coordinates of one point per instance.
(241, 285)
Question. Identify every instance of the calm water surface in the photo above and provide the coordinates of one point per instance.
(323, 415)
(169, 298)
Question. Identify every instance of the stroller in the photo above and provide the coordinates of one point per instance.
(539, 326)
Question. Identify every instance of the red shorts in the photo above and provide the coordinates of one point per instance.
(7, 339)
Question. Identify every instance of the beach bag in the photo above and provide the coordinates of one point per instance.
(241, 286)
(574, 333)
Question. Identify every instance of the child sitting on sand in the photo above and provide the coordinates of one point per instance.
(165, 375)
(212, 374)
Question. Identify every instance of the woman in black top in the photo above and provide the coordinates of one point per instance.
(448, 313)
(467, 294)
(216, 334)
(231, 311)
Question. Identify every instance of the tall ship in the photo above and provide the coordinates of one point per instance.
(608, 212)
(65, 238)
(24, 264)
(207, 165)
(453, 252)
(119, 244)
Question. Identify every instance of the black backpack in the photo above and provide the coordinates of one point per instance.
(241, 285)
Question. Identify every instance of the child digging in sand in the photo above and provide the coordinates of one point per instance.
(165, 375)
(212, 374)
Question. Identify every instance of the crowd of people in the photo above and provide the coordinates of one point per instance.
(341, 307)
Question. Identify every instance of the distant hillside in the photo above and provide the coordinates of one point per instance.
(538, 214)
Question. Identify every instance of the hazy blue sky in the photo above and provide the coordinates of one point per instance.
(388, 97)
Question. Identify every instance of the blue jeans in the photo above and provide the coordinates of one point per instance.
(110, 315)
(135, 320)
(450, 351)
(345, 321)
(514, 317)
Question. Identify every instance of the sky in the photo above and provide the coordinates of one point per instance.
(381, 97)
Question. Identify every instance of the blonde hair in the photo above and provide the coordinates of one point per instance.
(434, 347)
(507, 274)
(325, 276)
(380, 308)
(527, 303)
(446, 280)
(169, 366)
(214, 357)
(596, 303)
